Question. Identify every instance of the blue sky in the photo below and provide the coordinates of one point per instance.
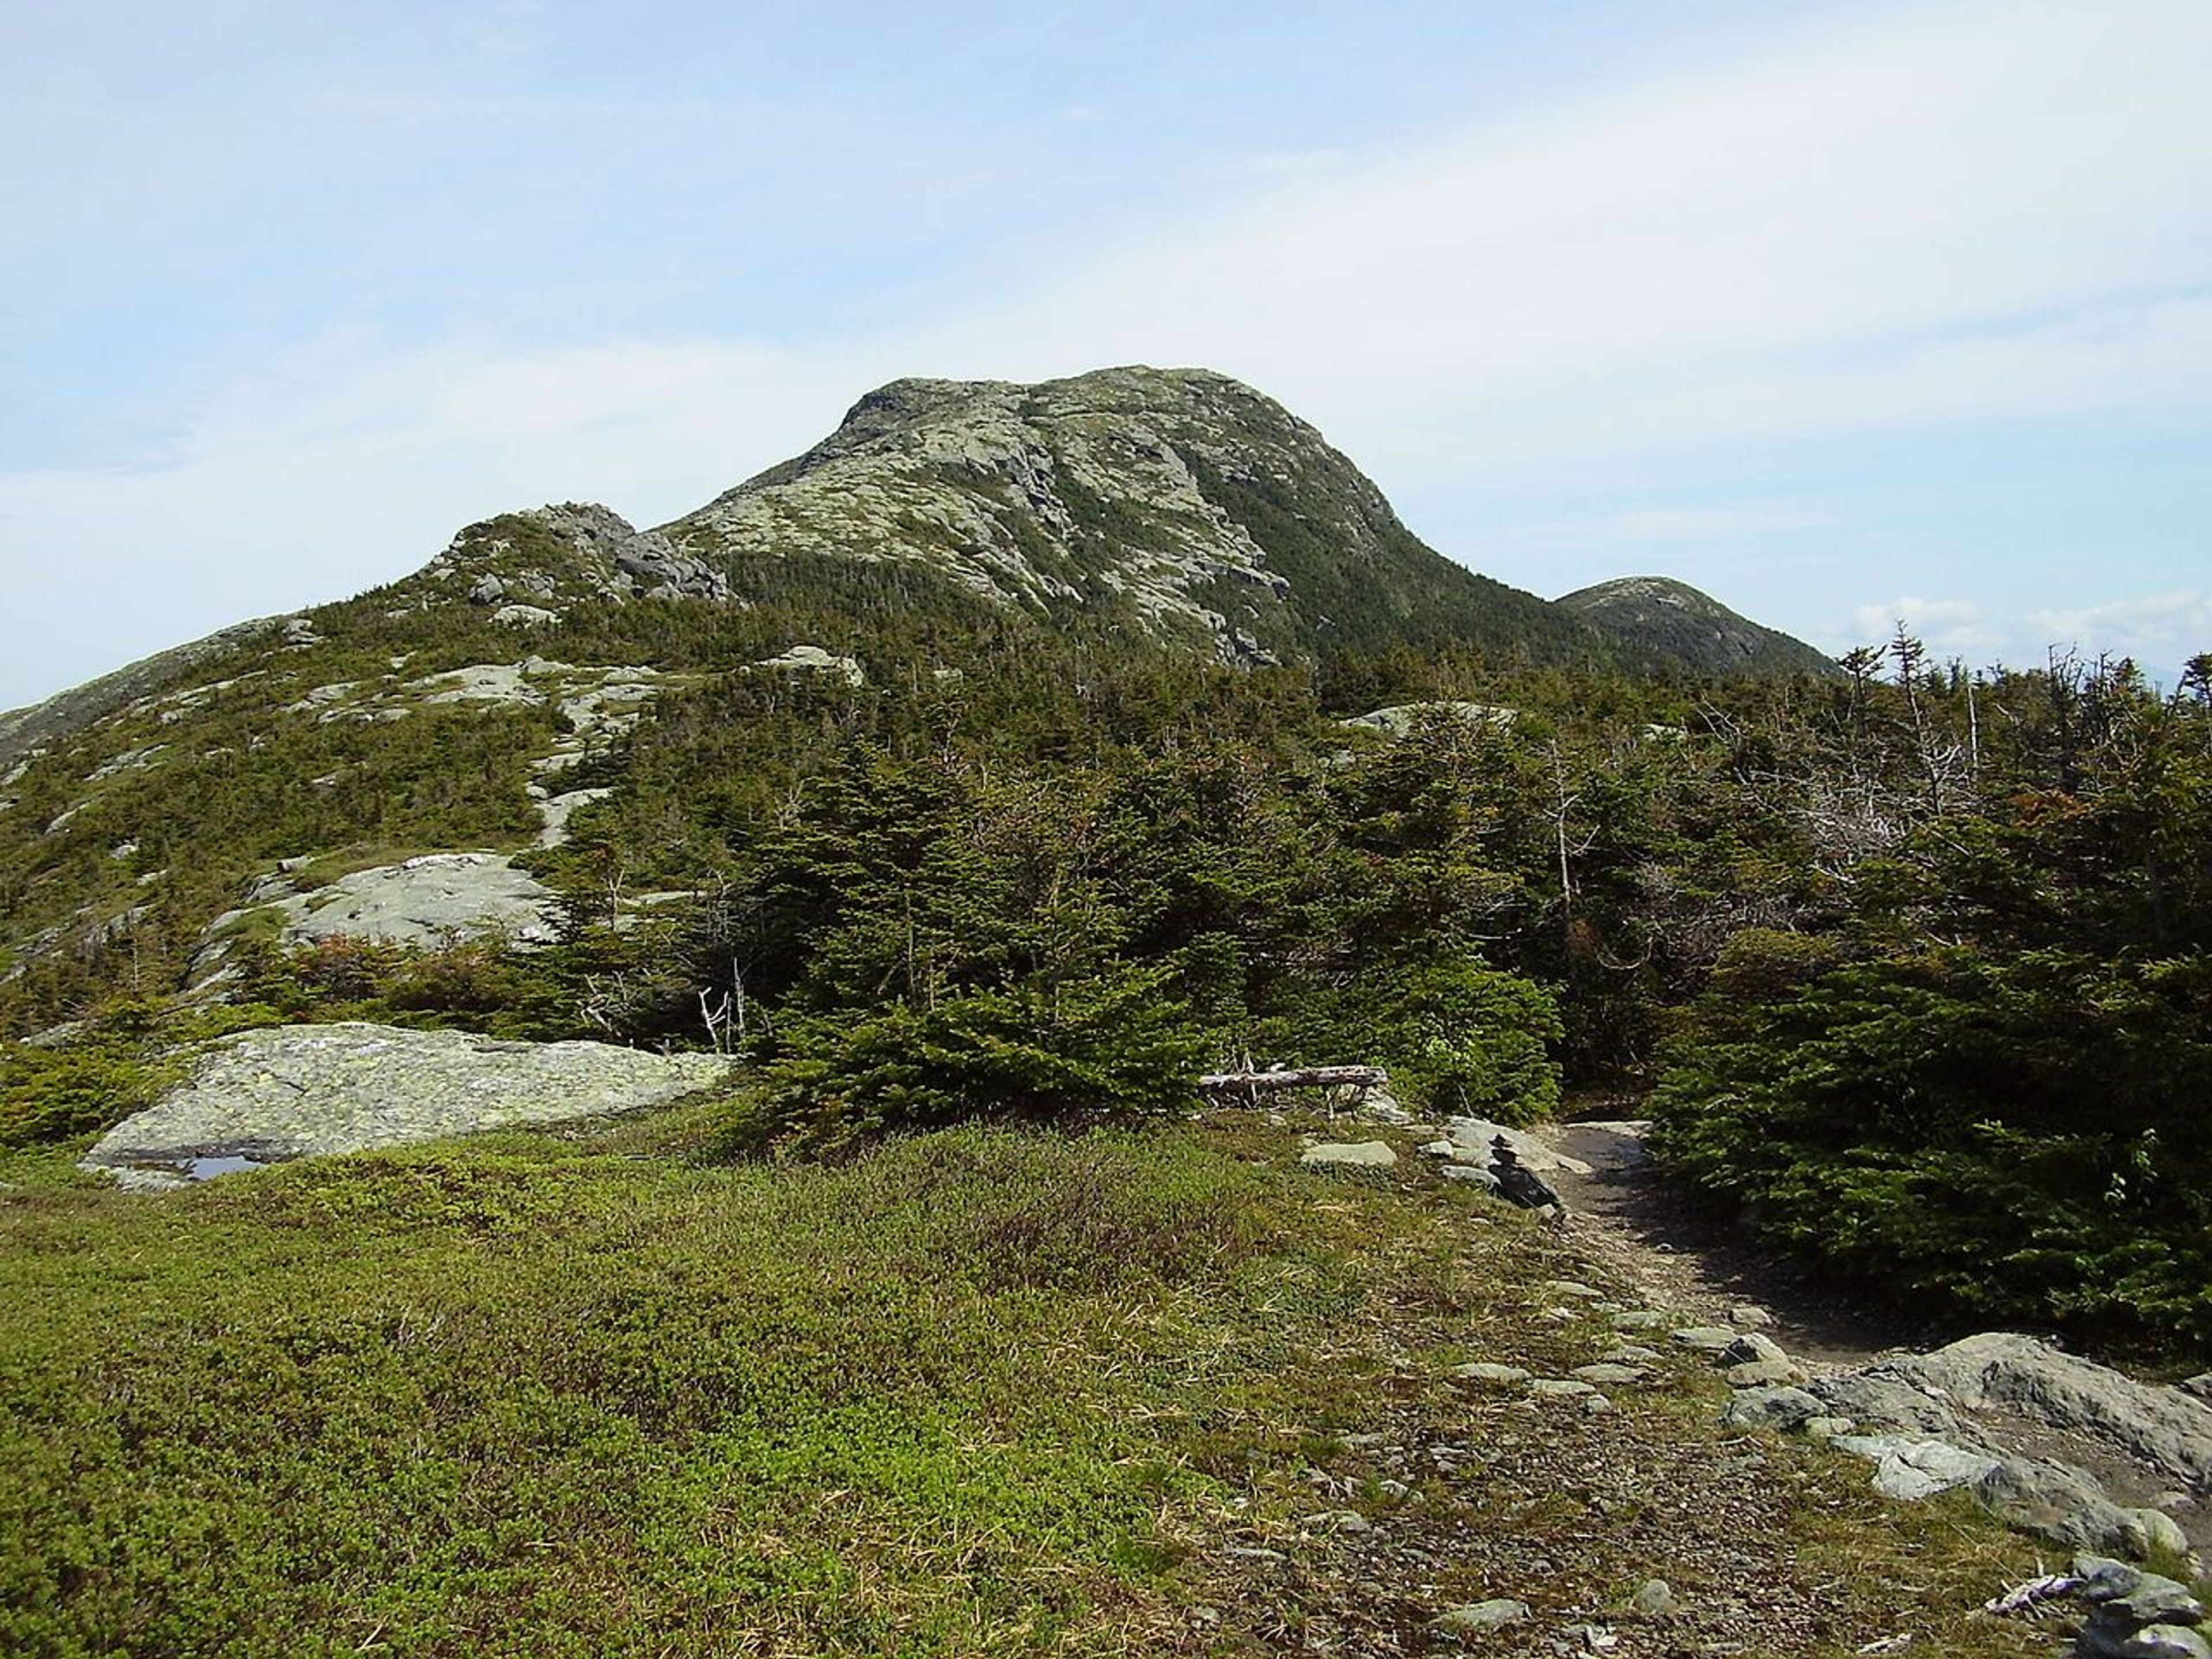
(1842, 311)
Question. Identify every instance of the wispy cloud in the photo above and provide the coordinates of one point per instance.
(1949, 628)
(2159, 630)
(1932, 215)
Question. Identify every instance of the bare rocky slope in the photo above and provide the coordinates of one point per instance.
(1179, 502)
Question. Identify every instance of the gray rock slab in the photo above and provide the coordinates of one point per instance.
(307, 1091)
(1561, 1388)
(2146, 1598)
(1500, 1376)
(1473, 1174)
(1350, 1154)
(557, 810)
(483, 681)
(2109, 1635)
(424, 901)
(1473, 1617)
(1770, 1409)
(1608, 1376)
(1883, 1400)
(2061, 1503)
(813, 658)
(2166, 1428)
(1403, 720)
(1752, 1349)
(1762, 1373)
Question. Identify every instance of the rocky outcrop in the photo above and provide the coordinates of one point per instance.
(528, 567)
(430, 900)
(425, 900)
(1991, 1415)
(2165, 1429)
(309, 1091)
(1403, 719)
(813, 659)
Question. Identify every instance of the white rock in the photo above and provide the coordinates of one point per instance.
(809, 658)
(1368, 1154)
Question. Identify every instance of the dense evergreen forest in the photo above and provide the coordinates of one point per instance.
(1914, 961)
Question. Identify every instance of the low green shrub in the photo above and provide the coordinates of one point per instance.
(1474, 1041)
(1114, 1046)
(52, 1094)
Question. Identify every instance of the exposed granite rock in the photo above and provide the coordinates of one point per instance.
(425, 900)
(2166, 1428)
(1358, 1154)
(812, 659)
(557, 810)
(1775, 1407)
(1885, 1399)
(1476, 1618)
(2134, 1614)
(2061, 1503)
(307, 1091)
(1403, 719)
(566, 554)
(1484, 1371)
(1909, 1469)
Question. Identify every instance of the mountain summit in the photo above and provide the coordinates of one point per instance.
(1676, 621)
(1178, 502)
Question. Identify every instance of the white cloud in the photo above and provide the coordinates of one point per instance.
(1949, 628)
(1974, 210)
(2160, 631)
(335, 475)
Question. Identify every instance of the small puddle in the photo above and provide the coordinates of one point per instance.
(194, 1166)
(207, 1169)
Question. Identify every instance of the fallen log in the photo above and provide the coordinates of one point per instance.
(1299, 1076)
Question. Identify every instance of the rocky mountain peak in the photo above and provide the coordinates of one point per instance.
(1692, 626)
(1179, 502)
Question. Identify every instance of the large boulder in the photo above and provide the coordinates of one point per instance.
(307, 1091)
(426, 901)
(1883, 1400)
